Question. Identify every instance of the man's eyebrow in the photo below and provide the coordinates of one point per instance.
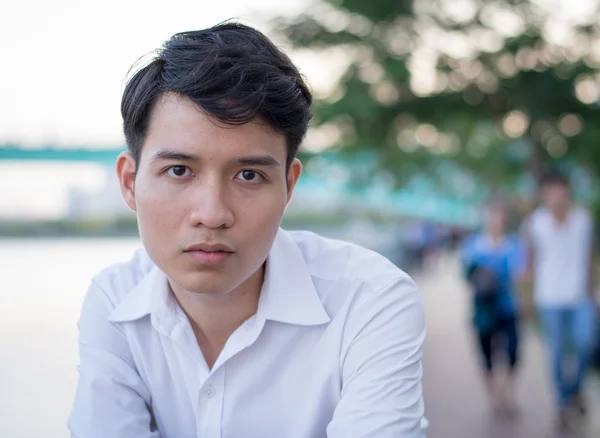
(166, 154)
(257, 160)
(252, 160)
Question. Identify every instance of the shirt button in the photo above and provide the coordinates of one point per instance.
(210, 391)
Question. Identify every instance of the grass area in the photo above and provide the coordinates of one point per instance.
(120, 227)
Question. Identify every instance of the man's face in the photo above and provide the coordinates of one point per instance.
(209, 198)
(556, 197)
(496, 219)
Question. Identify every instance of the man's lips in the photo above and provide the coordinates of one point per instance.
(209, 247)
(209, 253)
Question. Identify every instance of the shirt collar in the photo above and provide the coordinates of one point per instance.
(487, 242)
(151, 295)
(568, 217)
(288, 293)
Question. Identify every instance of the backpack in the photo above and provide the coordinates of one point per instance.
(486, 288)
(484, 281)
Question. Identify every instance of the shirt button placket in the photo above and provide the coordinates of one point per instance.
(210, 406)
(210, 391)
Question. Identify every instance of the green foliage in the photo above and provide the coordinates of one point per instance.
(376, 10)
(504, 101)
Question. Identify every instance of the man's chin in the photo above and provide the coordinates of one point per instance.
(209, 291)
(200, 283)
(207, 283)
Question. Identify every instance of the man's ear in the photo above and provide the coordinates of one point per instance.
(126, 172)
(293, 175)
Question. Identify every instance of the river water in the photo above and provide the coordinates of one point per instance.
(42, 284)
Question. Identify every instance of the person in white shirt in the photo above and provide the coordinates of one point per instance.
(561, 241)
(225, 325)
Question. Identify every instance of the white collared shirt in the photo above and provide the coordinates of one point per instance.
(334, 351)
(562, 256)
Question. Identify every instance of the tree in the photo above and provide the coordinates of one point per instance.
(499, 88)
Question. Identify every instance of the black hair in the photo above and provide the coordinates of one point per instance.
(233, 72)
(554, 177)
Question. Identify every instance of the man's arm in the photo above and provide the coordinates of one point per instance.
(381, 370)
(526, 235)
(525, 274)
(592, 266)
(111, 400)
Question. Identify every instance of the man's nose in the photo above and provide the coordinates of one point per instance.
(211, 206)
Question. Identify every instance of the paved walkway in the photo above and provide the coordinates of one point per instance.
(455, 402)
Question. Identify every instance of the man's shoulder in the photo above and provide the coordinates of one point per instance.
(339, 260)
(515, 240)
(539, 218)
(583, 213)
(471, 241)
(117, 279)
(538, 214)
(345, 273)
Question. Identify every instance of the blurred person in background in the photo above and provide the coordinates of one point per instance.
(560, 236)
(225, 324)
(493, 260)
(425, 243)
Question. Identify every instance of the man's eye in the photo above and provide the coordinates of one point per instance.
(249, 175)
(178, 171)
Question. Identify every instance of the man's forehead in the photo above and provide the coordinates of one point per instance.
(179, 113)
(180, 108)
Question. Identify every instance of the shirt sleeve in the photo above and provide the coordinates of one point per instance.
(527, 230)
(518, 257)
(381, 369)
(467, 253)
(111, 400)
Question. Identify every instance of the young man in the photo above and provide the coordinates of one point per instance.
(225, 325)
(560, 236)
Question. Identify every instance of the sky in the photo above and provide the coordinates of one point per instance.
(65, 61)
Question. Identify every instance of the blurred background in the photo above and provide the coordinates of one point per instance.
(425, 109)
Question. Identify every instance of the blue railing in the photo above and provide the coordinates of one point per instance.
(99, 155)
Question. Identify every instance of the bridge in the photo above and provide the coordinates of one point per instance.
(318, 190)
(106, 156)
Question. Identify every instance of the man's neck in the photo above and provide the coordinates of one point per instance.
(214, 318)
(560, 215)
(495, 238)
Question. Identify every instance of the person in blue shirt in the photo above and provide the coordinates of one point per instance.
(492, 260)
